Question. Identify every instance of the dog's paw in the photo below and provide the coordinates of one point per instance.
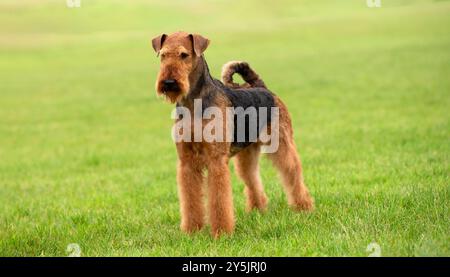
(260, 205)
(192, 227)
(217, 232)
(303, 204)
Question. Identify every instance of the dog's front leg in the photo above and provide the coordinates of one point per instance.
(220, 197)
(190, 190)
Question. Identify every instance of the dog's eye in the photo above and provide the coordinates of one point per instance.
(184, 55)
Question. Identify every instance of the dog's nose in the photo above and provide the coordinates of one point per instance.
(169, 82)
(170, 85)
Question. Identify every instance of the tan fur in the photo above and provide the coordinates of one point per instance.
(172, 67)
(288, 164)
(203, 167)
(247, 167)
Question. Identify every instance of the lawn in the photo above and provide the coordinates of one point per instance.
(86, 155)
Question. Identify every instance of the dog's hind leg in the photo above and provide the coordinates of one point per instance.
(288, 164)
(247, 167)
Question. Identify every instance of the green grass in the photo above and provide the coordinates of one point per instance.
(86, 155)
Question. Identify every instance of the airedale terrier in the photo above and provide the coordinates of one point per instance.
(203, 165)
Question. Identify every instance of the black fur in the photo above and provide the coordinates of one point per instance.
(207, 88)
(250, 97)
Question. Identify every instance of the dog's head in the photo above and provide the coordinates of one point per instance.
(180, 53)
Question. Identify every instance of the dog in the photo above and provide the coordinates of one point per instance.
(202, 170)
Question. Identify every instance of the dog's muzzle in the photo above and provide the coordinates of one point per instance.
(170, 85)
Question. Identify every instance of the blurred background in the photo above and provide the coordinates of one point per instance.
(86, 155)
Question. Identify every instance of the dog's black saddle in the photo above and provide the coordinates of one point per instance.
(251, 106)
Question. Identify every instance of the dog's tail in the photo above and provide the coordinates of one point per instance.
(242, 68)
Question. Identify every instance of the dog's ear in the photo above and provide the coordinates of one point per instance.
(199, 44)
(157, 43)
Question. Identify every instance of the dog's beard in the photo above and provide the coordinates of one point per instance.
(173, 96)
